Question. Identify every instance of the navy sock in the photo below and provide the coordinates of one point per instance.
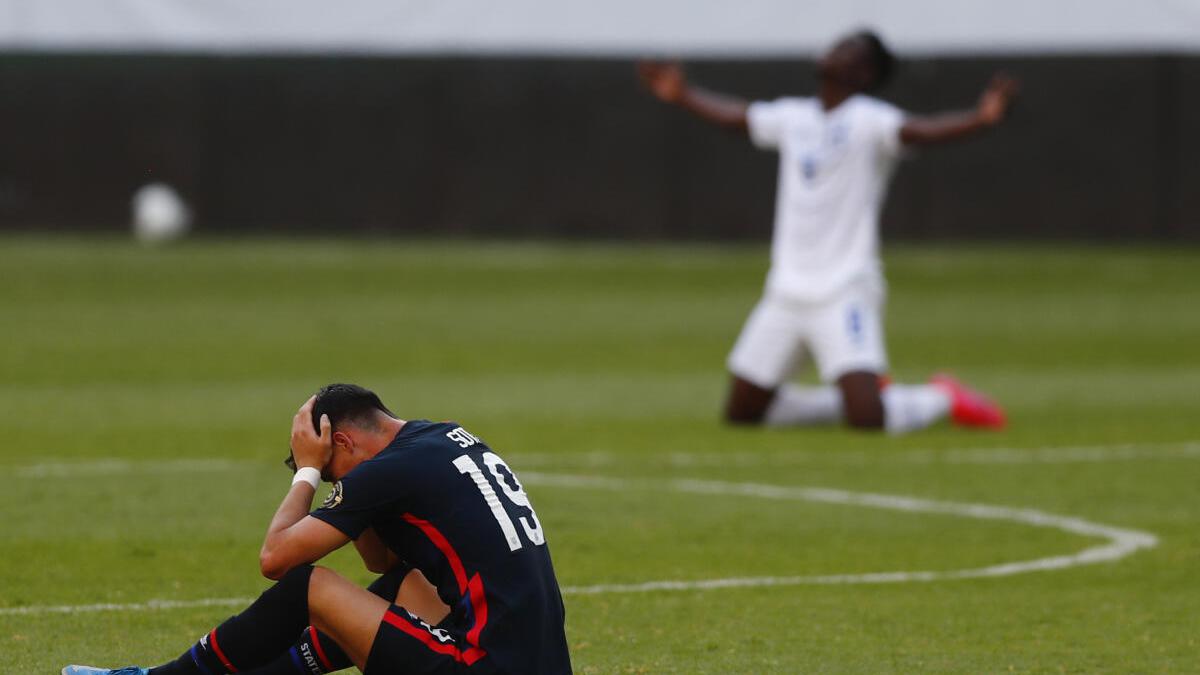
(315, 652)
(253, 638)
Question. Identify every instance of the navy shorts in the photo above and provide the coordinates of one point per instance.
(406, 645)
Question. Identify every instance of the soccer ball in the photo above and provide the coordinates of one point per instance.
(159, 214)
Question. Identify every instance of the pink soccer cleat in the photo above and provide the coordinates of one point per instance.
(969, 408)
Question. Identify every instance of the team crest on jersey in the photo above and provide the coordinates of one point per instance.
(335, 496)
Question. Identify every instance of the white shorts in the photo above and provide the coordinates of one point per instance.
(841, 335)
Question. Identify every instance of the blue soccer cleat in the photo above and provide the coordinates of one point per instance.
(90, 670)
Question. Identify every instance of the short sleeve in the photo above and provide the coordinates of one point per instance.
(887, 120)
(766, 121)
(352, 504)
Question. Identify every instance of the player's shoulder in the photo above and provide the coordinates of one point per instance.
(419, 445)
(797, 101)
(423, 440)
(408, 446)
(425, 432)
(415, 431)
(793, 104)
(871, 105)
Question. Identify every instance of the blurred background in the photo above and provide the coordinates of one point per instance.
(473, 209)
(523, 118)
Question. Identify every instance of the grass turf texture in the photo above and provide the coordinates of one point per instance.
(120, 362)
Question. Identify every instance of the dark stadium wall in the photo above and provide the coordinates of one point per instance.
(1100, 146)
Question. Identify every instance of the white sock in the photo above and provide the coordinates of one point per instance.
(803, 406)
(908, 407)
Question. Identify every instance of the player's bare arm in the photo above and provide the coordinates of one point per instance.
(991, 110)
(293, 537)
(416, 594)
(375, 555)
(420, 597)
(668, 83)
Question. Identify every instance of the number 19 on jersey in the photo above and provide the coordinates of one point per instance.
(515, 494)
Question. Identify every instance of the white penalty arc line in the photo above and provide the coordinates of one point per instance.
(1119, 542)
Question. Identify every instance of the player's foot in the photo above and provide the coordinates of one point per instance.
(90, 670)
(969, 408)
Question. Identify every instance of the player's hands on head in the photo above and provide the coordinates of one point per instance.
(308, 447)
(997, 98)
(666, 81)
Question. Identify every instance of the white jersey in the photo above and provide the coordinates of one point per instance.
(834, 169)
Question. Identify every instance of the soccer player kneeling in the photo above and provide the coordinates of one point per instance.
(825, 292)
(469, 586)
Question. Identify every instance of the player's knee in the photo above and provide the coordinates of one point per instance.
(275, 567)
(864, 411)
(290, 592)
(870, 420)
(323, 589)
(747, 403)
(743, 416)
(298, 577)
(861, 401)
(322, 577)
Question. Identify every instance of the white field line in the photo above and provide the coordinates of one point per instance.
(111, 466)
(1045, 455)
(1119, 542)
(1071, 455)
(124, 607)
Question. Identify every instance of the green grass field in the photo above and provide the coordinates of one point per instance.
(146, 395)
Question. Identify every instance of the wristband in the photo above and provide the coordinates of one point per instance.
(307, 474)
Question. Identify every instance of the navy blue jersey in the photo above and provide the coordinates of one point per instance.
(440, 499)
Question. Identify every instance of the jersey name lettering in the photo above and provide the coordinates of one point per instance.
(462, 437)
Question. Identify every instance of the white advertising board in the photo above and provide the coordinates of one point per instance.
(608, 27)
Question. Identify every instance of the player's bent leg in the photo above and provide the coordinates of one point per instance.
(316, 653)
(346, 612)
(765, 355)
(407, 644)
(267, 628)
(804, 406)
(862, 403)
(387, 639)
(914, 406)
(747, 402)
(420, 597)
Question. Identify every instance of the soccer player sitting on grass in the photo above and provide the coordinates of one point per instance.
(469, 586)
(825, 290)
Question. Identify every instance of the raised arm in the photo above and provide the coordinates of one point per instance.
(951, 126)
(294, 537)
(668, 83)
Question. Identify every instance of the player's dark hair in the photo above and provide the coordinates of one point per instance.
(344, 403)
(883, 62)
(347, 404)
